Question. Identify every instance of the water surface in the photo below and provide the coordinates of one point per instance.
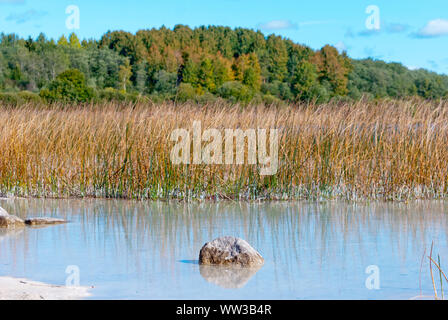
(149, 250)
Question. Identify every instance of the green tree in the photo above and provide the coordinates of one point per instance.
(190, 73)
(304, 80)
(69, 86)
(222, 71)
(252, 72)
(125, 74)
(141, 77)
(334, 68)
(235, 63)
(236, 92)
(74, 41)
(186, 92)
(165, 83)
(205, 75)
(63, 41)
(277, 58)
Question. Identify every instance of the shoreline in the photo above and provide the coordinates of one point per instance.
(215, 199)
(24, 289)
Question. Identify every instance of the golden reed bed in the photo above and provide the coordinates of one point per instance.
(389, 150)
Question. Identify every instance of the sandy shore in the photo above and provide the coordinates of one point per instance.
(22, 289)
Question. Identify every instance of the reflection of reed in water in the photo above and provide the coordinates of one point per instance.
(290, 235)
(10, 233)
(229, 277)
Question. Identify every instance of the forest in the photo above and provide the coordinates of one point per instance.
(201, 64)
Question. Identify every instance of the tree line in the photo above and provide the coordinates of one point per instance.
(200, 64)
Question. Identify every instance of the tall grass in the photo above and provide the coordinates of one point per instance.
(441, 275)
(392, 150)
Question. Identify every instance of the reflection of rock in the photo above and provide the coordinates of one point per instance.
(9, 221)
(43, 221)
(229, 277)
(9, 233)
(230, 251)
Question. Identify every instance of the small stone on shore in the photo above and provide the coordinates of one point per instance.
(10, 221)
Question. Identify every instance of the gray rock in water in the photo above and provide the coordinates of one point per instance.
(43, 221)
(230, 251)
(9, 221)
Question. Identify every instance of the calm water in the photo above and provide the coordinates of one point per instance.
(143, 250)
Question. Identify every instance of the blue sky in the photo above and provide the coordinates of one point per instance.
(414, 33)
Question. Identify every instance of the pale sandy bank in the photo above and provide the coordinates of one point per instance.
(22, 289)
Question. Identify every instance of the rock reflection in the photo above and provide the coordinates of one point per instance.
(9, 233)
(228, 277)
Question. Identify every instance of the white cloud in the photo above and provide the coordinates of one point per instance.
(396, 27)
(12, 1)
(434, 28)
(385, 28)
(341, 46)
(278, 25)
(312, 23)
(25, 16)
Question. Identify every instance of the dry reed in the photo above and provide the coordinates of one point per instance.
(389, 150)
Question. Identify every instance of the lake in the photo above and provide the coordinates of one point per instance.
(149, 250)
